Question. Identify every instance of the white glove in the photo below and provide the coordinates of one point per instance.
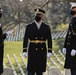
(49, 55)
(64, 50)
(25, 54)
(9, 32)
(73, 52)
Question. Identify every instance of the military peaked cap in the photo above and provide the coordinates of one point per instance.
(39, 11)
(73, 5)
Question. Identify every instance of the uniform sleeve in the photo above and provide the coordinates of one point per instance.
(74, 37)
(25, 41)
(65, 42)
(2, 36)
(49, 40)
(74, 26)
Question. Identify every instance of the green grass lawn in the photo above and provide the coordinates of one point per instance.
(13, 47)
(17, 47)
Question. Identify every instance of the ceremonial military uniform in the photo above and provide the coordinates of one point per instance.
(2, 37)
(70, 43)
(37, 41)
(37, 48)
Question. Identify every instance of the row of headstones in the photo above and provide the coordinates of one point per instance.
(22, 58)
(19, 35)
(12, 66)
(17, 63)
(59, 34)
(55, 55)
(51, 71)
(62, 55)
(25, 64)
(57, 59)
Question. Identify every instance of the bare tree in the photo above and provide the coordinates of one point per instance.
(16, 12)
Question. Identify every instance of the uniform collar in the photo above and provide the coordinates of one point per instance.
(38, 24)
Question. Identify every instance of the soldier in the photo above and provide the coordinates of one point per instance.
(36, 35)
(70, 43)
(2, 37)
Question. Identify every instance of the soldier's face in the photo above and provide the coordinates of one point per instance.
(41, 16)
(38, 17)
(74, 9)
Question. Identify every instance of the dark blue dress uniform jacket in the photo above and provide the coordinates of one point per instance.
(37, 52)
(70, 43)
(2, 37)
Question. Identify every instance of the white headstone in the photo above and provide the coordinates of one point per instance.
(67, 72)
(54, 71)
(45, 73)
(8, 71)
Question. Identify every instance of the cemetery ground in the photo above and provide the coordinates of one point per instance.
(13, 50)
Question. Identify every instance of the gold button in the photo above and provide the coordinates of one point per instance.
(42, 48)
(69, 36)
(68, 43)
(41, 37)
(36, 48)
(35, 37)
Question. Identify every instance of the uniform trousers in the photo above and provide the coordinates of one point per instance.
(73, 72)
(34, 73)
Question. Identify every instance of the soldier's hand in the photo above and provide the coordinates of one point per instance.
(49, 55)
(64, 50)
(73, 52)
(10, 32)
(25, 54)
